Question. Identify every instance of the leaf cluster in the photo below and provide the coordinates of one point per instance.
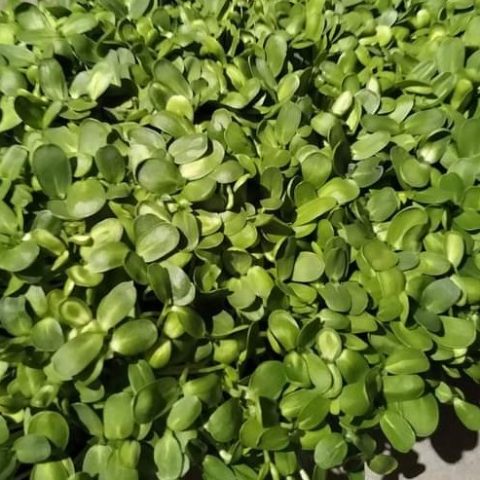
(235, 235)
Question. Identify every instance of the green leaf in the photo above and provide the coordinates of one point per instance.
(215, 469)
(268, 379)
(402, 387)
(354, 399)
(107, 256)
(134, 337)
(19, 257)
(313, 209)
(47, 335)
(206, 388)
(284, 328)
(116, 305)
(471, 36)
(159, 176)
(14, 317)
(330, 451)
(383, 464)
(171, 78)
(341, 189)
(110, 163)
(85, 198)
(137, 8)
(250, 432)
(188, 148)
(152, 399)
(274, 438)
(171, 123)
(53, 426)
(75, 355)
(319, 373)
(276, 51)
(182, 289)
(292, 404)
(154, 238)
(424, 122)
(450, 55)
(205, 165)
(13, 161)
(52, 79)
(316, 169)
(57, 470)
(92, 136)
(313, 413)
(406, 361)
(468, 413)
(397, 430)
(378, 255)
(184, 412)
(369, 145)
(422, 414)
(287, 122)
(118, 421)
(100, 79)
(406, 228)
(466, 138)
(17, 56)
(190, 320)
(32, 448)
(224, 423)
(286, 462)
(79, 23)
(89, 419)
(314, 19)
(168, 457)
(308, 267)
(4, 432)
(29, 109)
(52, 169)
(8, 220)
(329, 344)
(75, 312)
(457, 332)
(352, 365)
(440, 295)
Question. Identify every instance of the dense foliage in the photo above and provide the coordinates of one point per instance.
(237, 237)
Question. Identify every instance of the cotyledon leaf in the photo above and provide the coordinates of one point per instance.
(198, 169)
(422, 414)
(276, 51)
(313, 209)
(440, 295)
(370, 144)
(330, 451)
(19, 257)
(75, 355)
(116, 305)
(342, 190)
(406, 228)
(154, 238)
(406, 361)
(188, 148)
(397, 430)
(85, 198)
(52, 169)
(166, 73)
(168, 456)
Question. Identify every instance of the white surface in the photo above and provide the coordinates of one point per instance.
(430, 466)
(453, 453)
